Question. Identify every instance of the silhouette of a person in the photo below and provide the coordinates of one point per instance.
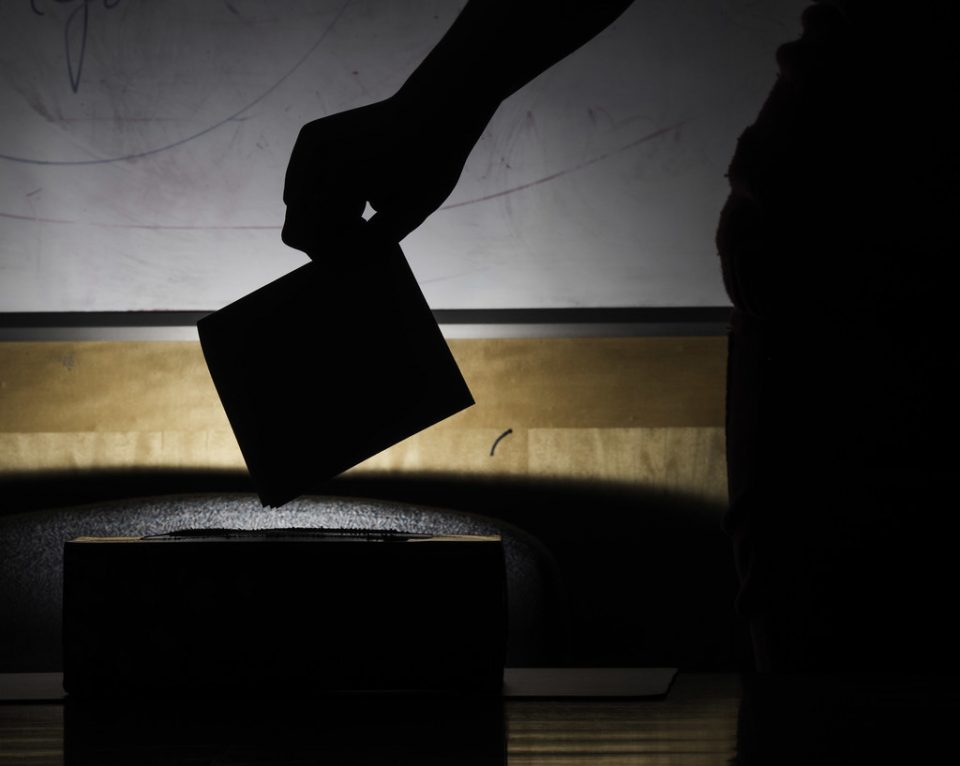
(838, 251)
(840, 256)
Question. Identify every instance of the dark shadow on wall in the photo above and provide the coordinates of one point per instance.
(649, 573)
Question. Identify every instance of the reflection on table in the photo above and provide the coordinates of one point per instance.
(695, 724)
(705, 719)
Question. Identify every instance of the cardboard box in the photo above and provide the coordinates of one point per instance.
(285, 611)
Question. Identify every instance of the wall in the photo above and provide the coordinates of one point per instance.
(644, 411)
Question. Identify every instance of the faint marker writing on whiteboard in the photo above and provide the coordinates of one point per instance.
(76, 28)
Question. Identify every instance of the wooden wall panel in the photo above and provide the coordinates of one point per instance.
(641, 410)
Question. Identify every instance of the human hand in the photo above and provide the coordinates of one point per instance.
(400, 157)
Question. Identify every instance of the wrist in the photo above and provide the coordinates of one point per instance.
(462, 108)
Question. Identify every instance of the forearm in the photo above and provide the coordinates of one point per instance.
(496, 46)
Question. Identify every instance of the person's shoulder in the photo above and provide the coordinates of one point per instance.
(891, 14)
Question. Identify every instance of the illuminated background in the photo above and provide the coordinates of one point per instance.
(143, 146)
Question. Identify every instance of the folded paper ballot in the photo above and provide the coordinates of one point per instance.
(329, 365)
(286, 611)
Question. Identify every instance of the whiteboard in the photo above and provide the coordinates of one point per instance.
(143, 146)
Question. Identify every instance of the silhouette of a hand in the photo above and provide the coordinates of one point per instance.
(400, 157)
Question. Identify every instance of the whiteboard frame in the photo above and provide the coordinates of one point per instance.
(455, 323)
